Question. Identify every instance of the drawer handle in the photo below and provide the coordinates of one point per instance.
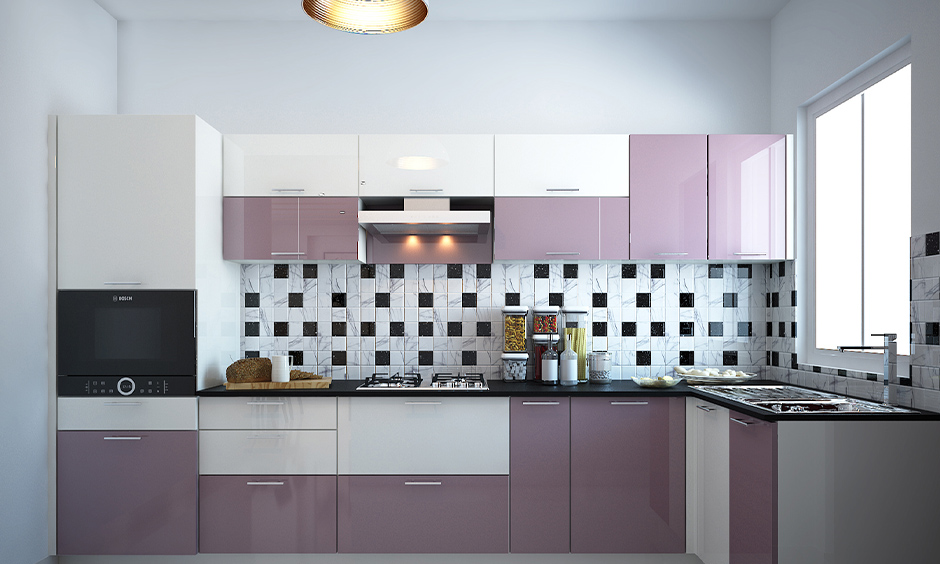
(423, 483)
(122, 438)
(285, 254)
(562, 253)
(671, 254)
(562, 189)
(740, 422)
(278, 436)
(288, 190)
(750, 254)
(264, 483)
(265, 403)
(629, 403)
(123, 283)
(427, 189)
(540, 403)
(423, 403)
(123, 403)
(705, 408)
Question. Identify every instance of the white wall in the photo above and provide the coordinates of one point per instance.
(56, 56)
(452, 77)
(817, 42)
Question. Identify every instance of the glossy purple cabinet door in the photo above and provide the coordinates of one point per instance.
(614, 228)
(539, 475)
(753, 480)
(546, 229)
(329, 228)
(668, 197)
(628, 475)
(267, 514)
(423, 514)
(747, 197)
(126, 492)
(260, 229)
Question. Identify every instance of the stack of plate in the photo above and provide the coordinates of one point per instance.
(712, 375)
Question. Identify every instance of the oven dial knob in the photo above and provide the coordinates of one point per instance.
(126, 386)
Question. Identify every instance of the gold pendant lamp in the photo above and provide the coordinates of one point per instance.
(368, 17)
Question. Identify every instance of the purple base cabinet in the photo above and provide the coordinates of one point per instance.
(126, 492)
(267, 514)
(752, 446)
(539, 475)
(628, 475)
(423, 514)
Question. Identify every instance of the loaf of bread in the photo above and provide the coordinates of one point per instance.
(301, 375)
(249, 370)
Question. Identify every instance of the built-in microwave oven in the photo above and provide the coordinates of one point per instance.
(126, 342)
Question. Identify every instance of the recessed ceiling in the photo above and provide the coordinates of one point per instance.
(464, 10)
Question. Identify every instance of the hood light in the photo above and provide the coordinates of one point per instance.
(367, 17)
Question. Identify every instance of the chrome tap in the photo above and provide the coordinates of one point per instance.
(890, 349)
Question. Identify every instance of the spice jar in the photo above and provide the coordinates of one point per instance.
(545, 320)
(514, 328)
(514, 366)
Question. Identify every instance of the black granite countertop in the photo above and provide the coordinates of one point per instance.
(620, 388)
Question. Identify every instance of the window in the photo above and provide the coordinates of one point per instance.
(859, 215)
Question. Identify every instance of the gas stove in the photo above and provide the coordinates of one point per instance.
(453, 380)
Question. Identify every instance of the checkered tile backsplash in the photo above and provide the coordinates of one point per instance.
(350, 320)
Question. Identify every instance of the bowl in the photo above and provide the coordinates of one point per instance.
(660, 382)
(725, 376)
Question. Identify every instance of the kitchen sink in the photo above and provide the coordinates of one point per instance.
(790, 399)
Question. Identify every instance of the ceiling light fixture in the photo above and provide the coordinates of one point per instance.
(369, 17)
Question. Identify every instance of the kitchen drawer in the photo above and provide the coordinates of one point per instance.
(267, 413)
(423, 514)
(267, 514)
(267, 452)
(119, 413)
(423, 435)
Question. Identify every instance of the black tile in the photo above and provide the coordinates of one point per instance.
(512, 298)
(310, 328)
(484, 271)
(933, 244)
(455, 271)
(643, 299)
(745, 271)
(338, 299)
(484, 329)
(686, 329)
(817, 369)
(540, 270)
(644, 358)
(454, 329)
(774, 358)
(793, 329)
(715, 329)
(744, 329)
(871, 377)
(469, 299)
(599, 328)
(570, 271)
(793, 363)
(775, 299)
(252, 328)
(426, 358)
(767, 295)
(396, 329)
(793, 298)
(367, 271)
(782, 269)
(425, 328)
(729, 358)
(841, 373)
(657, 271)
(298, 357)
(310, 270)
(425, 299)
(281, 271)
(687, 358)
(281, 329)
(716, 271)
(686, 299)
(556, 299)
(367, 328)
(932, 333)
(383, 358)
(383, 299)
(295, 299)
(782, 328)
(657, 329)
(339, 329)
(770, 328)
(252, 299)
(599, 299)
(396, 271)
(468, 358)
(628, 328)
(628, 271)
(252, 354)
(730, 299)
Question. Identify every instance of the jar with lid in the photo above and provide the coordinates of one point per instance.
(514, 366)
(576, 329)
(514, 328)
(545, 320)
(599, 367)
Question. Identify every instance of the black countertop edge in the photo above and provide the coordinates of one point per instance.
(498, 388)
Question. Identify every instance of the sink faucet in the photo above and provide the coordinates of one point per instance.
(890, 349)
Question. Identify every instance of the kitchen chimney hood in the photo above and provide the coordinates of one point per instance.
(425, 216)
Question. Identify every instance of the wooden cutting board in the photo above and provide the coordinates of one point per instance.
(292, 385)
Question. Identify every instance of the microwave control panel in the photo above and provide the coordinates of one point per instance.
(126, 386)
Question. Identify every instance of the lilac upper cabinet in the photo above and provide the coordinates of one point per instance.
(668, 193)
(528, 229)
(628, 474)
(747, 197)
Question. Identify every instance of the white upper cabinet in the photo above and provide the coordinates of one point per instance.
(563, 165)
(291, 165)
(425, 165)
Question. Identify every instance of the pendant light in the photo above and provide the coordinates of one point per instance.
(367, 17)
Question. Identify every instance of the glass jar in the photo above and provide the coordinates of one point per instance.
(540, 344)
(545, 320)
(514, 366)
(576, 330)
(599, 367)
(549, 365)
(514, 328)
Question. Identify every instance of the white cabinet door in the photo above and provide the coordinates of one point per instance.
(126, 414)
(267, 412)
(267, 452)
(563, 165)
(423, 435)
(708, 484)
(291, 165)
(127, 201)
(467, 169)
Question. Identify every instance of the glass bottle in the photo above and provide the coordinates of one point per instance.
(550, 365)
(568, 365)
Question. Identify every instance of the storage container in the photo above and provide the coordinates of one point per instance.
(514, 328)
(514, 366)
(545, 320)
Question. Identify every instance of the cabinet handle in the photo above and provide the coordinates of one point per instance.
(671, 254)
(540, 403)
(740, 422)
(264, 403)
(423, 483)
(278, 436)
(264, 483)
(750, 254)
(423, 403)
(122, 438)
(297, 254)
(288, 190)
(705, 408)
(562, 189)
(562, 253)
(629, 403)
(123, 403)
(427, 189)
(123, 283)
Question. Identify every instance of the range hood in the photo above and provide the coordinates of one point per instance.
(425, 216)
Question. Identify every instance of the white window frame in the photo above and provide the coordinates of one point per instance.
(886, 63)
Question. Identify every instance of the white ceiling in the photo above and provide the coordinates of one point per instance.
(466, 10)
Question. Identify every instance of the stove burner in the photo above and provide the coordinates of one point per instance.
(467, 380)
(383, 380)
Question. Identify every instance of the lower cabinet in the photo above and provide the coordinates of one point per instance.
(126, 492)
(752, 446)
(423, 514)
(267, 514)
(628, 475)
